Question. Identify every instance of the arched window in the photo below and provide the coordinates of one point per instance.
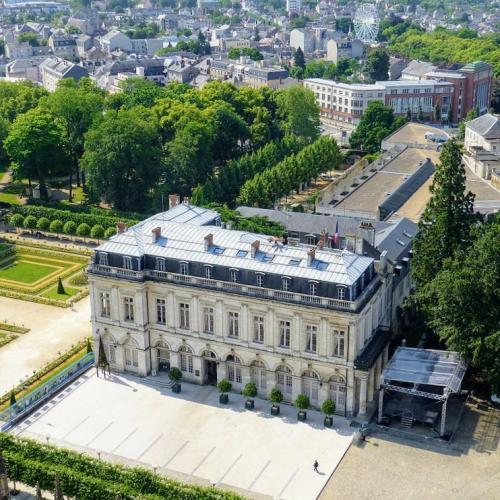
(337, 392)
(207, 353)
(163, 356)
(186, 355)
(258, 374)
(284, 379)
(310, 386)
(233, 369)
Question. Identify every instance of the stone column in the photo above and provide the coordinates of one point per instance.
(219, 318)
(296, 388)
(244, 324)
(378, 372)
(296, 327)
(271, 333)
(362, 394)
(155, 359)
(371, 376)
(323, 337)
(380, 405)
(171, 316)
(195, 314)
(221, 371)
(175, 360)
(323, 393)
(386, 357)
(245, 375)
(351, 387)
(197, 362)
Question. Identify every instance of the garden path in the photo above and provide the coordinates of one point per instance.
(52, 330)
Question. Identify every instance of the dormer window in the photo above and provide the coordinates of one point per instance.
(341, 293)
(209, 272)
(259, 280)
(103, 258)
(311, 239)
(233, 275)
(127, 262)
(160, 264)
(184, 268)
(313, 288)
(286, 283)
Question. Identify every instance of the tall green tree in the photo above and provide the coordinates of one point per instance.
(298, 58)
(298, 112)
(377, 122)
(465, 311)
(445, 225)
(77, 105)
(376, 67)
(122, 159)
(37, 147)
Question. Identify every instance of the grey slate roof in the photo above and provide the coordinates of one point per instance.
(396, 238)
(487, 125)
(232, 249)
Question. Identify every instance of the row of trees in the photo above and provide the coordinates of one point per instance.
(291, 173)
(136, 146)
(225, 186)
(456, 270)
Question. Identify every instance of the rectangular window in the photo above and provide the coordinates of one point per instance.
(105, 301)
(186, 362)
(127, 262)
(208, 320)
(234, 324)
(311, 338)
(234, 373)
(160, 265)
(285, 327)
(184, 315)
(341, 293)
(260, 280)
(103, 259)
(161, 311)
(128, 304)
(131, 357)
(258, 329)
(338, 343)
(285, 284)
(313, 288)
(184, 268)
(233, 275)
(208, 272)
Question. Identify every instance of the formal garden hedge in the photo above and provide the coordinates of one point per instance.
(64, 217)
(84, 477)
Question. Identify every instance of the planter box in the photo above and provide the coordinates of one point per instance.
(302, 415)
(328, 422)
(223, 399)
(249, 404)
(176, 388)
(275, 410)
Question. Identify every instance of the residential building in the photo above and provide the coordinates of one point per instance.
(294, 6)
(54, 69)
(482, 145)
(63, 46)
(115, 40)
(303, 38)
(25, 69)
(178, 290)
(181, 71)
(344, 48)
(86, 20)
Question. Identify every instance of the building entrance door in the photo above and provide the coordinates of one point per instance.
(210, 372)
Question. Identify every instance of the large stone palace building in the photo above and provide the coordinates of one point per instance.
(178, 289)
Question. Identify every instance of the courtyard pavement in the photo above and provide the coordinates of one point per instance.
(190, 436)
(52, 330)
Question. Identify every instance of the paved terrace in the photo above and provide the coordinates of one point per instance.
(190, 436)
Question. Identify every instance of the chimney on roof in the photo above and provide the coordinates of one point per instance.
(173, 200)
(323, 241)
(156, 234)
(255, 248)
(185, 200)
(350, 242)
(121, 227)
(208, 241)
(368, 232)
(311, 254)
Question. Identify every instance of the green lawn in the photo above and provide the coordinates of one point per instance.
(25, 272)
(51, 293)
(11, 194)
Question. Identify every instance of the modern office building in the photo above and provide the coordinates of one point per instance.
(180, 290)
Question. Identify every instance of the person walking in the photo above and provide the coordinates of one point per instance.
(315, 466)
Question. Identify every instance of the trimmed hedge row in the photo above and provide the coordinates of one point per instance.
(56, 226)
(65, 216)
(30, 462)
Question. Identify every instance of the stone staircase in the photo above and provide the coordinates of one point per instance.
(407, 420)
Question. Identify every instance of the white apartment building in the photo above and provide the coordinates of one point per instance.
(178, 290)
(294, 6)
(343, 102)
(347, 102)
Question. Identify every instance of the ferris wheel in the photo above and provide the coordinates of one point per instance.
(366, 23)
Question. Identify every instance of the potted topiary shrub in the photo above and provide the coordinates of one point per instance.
(276, 398)
(224, 387)
(328, 408)
(175, 375)
(250, 391)
(302, 403)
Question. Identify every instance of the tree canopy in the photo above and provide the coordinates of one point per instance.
(376, 66)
